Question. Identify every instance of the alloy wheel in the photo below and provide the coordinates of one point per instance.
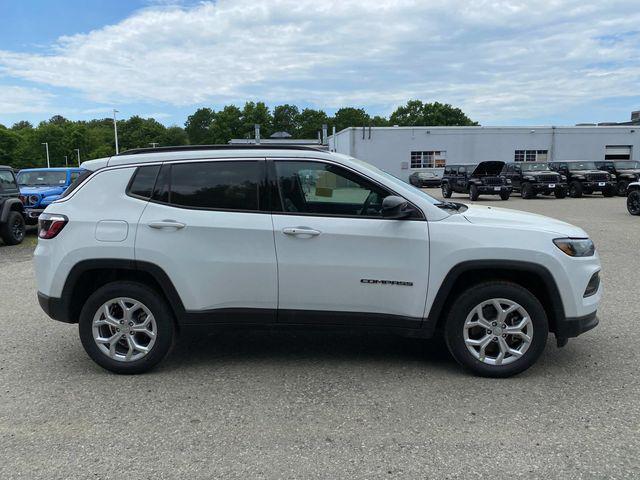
(124, 329)
(498, 331)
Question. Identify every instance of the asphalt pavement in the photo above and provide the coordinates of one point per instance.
(324, 405)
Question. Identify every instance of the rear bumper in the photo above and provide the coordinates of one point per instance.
(54, 308)
(572, 327)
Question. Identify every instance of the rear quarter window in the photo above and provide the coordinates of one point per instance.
(143, 181)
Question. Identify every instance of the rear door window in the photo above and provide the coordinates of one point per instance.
(216, 185)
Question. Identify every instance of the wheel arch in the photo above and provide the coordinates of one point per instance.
(534, 277)
(10, 205)
(89, 275)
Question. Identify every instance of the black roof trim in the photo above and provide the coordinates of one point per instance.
(187, 148)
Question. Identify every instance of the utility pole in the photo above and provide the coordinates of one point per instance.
(46, 145)
(115, 128)
(66, 161)
(78, 152)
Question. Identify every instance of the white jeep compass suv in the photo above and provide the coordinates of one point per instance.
(155, 241)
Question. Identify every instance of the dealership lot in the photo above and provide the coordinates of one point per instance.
(324, 405)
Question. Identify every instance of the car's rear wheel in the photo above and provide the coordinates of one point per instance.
(126, 327)
(496, 329)
(13, 230)
(575, 189)
(446, 190)
(633, 202)
(473, 193)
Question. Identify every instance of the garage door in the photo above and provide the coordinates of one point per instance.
(617, 152)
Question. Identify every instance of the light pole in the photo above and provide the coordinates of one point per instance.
(46, 146)
(78, 152)
(115, 128)
(66, 161)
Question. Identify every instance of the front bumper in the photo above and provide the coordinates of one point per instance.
(598, 186)
(33, 213)
(547, 187)
(494, 189)
(572, 327)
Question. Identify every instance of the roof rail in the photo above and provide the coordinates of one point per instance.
(183, 148)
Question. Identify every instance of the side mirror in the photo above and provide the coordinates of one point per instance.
(396, 207)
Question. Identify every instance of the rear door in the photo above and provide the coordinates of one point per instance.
(206, 229)
(339, 261)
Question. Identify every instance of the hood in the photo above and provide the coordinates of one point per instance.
(44, 190)
(630, 171)
(493, 168)
(535, 173)
(586, 172)
(513, 218)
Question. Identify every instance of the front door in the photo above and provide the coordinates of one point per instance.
(339, 261)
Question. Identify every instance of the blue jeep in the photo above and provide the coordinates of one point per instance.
(41, 186)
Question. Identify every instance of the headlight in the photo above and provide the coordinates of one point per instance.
(33, 199)
(530, 178)
(579, 177)
(563, 178)
(576, 247)
(613, 177)
(508, 181)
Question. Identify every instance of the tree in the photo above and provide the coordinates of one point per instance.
(285, 119)
(22, 125)
(227, 124)
(350, 117)
(9, 142)
(256, 113)
(174, 135)
(416, 113)
(138, 132)
(310, 121)
(198, 126)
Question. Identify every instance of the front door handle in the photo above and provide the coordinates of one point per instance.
(167, 224)
(301, 231)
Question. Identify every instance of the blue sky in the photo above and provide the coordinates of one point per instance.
(502, 61)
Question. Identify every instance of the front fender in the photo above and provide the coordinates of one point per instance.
(9, 205)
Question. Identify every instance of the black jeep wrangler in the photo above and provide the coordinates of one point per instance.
(584, 177)
(485, 178)
(12, 220)
(532, 178)
(623, 172)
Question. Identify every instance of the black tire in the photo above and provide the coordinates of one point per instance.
(609, 191)
(527, 191)
(560, 192)
(505, 195)
(633, 202)
(446, 190)
(622, 188)
(473, 193)
(575, 189)
(13, 230)
(153, 301)
(475, 295)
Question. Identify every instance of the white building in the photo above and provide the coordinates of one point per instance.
(404, 150)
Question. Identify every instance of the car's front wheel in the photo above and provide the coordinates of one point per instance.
(446, 190)
(633, 202)
(126, 327)
(473, 193)
(496, 329)
(13, 230)
(560, 192)
(621, 188)
(575, 189)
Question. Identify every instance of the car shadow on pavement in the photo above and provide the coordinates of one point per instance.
(312, 346)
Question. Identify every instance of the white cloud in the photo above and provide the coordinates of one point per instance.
(496, 59)
(15, 99)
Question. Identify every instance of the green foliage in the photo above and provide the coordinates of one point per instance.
(21, 144)
(416, 113)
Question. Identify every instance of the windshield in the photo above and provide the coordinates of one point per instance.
(582, 166)
(627, 165)
(534, 166)
(42, 177)
(396, 181)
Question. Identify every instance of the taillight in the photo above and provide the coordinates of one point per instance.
(50, 224)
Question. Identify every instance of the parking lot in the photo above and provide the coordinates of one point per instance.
(326, 405)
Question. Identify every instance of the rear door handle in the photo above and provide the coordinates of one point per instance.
(301, 231)
(167, 224)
